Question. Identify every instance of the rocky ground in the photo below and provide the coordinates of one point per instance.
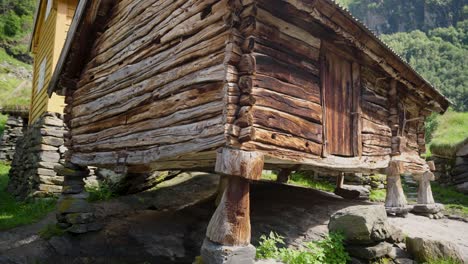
(167, 225)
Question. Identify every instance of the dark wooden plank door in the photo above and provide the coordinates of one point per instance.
(338, 98)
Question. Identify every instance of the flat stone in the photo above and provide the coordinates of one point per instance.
(399, 211)
(370, 252)
(50, 188)
(404, 261)
(427, 208)
(46, 172)
(80, 218)
(52, 180)
(84, 228)
(213, 253)
(66, 206)
(72, 189)
(353, 192)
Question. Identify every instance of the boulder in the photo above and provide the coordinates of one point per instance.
(353, 192)
(362, 224)
(424, 250)
(370, 252)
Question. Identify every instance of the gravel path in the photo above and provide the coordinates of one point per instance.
(442, 229)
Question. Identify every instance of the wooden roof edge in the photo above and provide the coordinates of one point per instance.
(427, 87)
(77, 19)
(35, 24)
(15, 110)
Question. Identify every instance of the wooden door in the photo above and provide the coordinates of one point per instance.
(337, 87)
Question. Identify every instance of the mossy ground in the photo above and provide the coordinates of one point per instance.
(451, 132)
(14, 213)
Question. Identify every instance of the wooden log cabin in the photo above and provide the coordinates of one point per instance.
(235, 86)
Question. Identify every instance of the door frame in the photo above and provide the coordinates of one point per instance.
(356, 112)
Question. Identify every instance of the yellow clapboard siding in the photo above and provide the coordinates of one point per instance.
(48, 42)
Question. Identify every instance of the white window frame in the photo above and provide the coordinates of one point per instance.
(48, 8)
(41, 76)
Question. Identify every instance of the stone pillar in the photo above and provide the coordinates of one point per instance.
(12, 133)
(75, 214)
(395, 201)
(228, 233)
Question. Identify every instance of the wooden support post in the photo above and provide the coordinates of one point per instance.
(395, 195)
(230, 224)
(426, 205)
(223, 181)
(284, 175)
(340, 181)
(424, 188)
(228, 233)
(395, 202)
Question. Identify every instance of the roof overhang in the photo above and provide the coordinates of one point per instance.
(35, 23)
(336, 16)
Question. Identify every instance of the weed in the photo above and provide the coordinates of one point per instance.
(330, 250)
(50, 231)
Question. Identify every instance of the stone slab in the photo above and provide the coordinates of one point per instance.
(213, 253)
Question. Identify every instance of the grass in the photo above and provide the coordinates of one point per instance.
(50, 231)
(307, 181)
(456, 203)
(100, 193)
(14, 213)
(450, 134)
(303, 180)
(15, 88)
(378, 195)
(3, 119)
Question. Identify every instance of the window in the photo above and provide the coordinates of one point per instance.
(41, 77)
(48, 8)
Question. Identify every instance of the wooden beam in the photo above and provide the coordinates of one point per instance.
(240, 163)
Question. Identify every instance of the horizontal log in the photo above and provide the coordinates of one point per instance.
(309, 92)
(294, 106)
(158, 137)
(279, 121)
(263, 135)
(376, 140)
(369, 127)
(119, 127)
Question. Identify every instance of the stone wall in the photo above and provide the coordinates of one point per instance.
(14, 129)
(37, 152)
(453, 171)
(460, 170)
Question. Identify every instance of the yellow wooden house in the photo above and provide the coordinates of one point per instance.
(51, 24)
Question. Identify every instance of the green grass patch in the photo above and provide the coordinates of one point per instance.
(50, 231)
(455, 203)
(103, 192)
(14, 213)
(378, 195)
(329, 250)
(269, 176)
(16, 87)
(3, 119)
(451, 132)
(307, 181)
(443, 261)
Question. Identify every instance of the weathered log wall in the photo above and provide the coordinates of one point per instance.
(280, 84)
(169, 82)
(155, 84)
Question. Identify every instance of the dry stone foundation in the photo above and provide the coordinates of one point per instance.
(453, 170)
(37, 152)
(14, 129)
